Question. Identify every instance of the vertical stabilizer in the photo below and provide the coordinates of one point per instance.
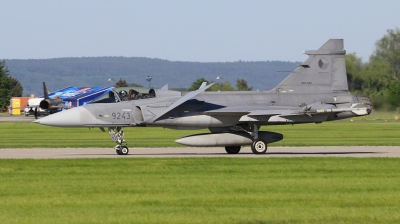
(323, 72)
(45, 93)
(165, 87)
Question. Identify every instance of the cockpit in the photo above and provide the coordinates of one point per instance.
(131, 93)
(123, 94)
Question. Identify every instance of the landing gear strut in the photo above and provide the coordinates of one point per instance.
(117, 135)
(258, 146)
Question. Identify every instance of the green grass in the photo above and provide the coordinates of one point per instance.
(350, 133)
(201, 190)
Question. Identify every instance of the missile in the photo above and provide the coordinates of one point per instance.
(227, 139)
(355, 110)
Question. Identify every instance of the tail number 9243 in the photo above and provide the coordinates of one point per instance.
(121, 115)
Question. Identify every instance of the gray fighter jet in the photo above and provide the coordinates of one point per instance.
(315, 92)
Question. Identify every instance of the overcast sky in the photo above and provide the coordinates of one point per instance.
(188, 30)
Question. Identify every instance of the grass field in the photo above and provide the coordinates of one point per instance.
(357, 132)
(201, 190)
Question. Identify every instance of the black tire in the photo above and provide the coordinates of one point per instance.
(124, 150)
(118, 150)
(233, 149)
(258, 147)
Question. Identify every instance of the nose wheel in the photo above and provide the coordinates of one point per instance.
(121, 150)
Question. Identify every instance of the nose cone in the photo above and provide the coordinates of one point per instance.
(67, 118)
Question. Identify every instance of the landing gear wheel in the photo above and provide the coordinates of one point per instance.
(258, 147)
(233, 149)
(118, 150)
(122, 150)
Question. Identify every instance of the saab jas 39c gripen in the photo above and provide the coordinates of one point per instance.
(315, 92)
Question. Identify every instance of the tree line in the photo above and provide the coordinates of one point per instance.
(379, 78)
(9, 86)
(241, 85)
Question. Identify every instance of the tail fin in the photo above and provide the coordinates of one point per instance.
(45, 93)
(323, 72)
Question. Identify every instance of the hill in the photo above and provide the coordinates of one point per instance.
(96, 71)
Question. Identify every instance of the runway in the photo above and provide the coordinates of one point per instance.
(319, 151)
(17, 118)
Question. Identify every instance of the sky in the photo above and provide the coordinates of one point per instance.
(188, 30)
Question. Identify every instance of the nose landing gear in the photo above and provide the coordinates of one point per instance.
(117, 135)
(121, 150)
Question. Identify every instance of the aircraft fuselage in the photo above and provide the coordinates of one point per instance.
(194, 114)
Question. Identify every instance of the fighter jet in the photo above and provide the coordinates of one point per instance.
(52, 105)
(45, 105)
(66, 98)
(316, 91)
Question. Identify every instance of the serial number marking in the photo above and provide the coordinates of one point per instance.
(119, 116)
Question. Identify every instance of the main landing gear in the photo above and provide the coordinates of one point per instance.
(117, 135)
(233, 149)
(258, 146)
